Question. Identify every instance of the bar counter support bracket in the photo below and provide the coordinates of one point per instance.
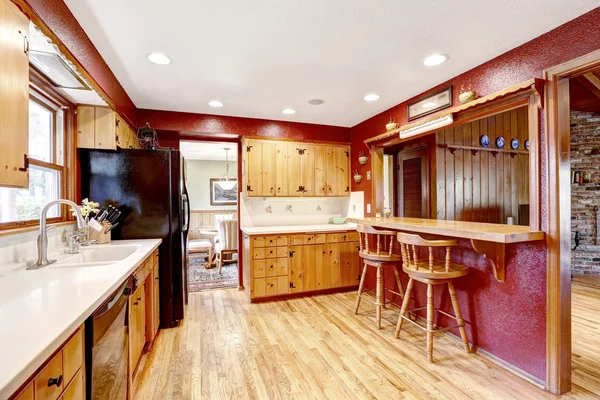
(494, 252)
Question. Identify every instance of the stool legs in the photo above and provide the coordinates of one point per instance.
(378, 296)
(430, 311)
(360, 289)
(398, 282)
(459, 319)
(404, 307)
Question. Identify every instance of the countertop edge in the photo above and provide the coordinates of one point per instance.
(289, 229)
(15, 382)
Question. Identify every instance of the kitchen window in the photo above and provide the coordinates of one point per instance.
(19, 207)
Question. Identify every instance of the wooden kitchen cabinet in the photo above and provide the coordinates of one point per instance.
(103, 128)
(295, 169)
(60, 377)
(137, 325)
(14, 98)
(310, 262)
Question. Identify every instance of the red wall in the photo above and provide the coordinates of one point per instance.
(211, 127)
(505, 319)
(59, 19)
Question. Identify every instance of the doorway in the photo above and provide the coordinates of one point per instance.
(211, 179)
(572, 94)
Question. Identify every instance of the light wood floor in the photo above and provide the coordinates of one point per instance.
(315, 348)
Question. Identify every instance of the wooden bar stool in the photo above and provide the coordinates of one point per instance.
(380, 258)
(432, 272)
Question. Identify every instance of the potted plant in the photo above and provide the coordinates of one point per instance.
(362, 158)
(357, 177)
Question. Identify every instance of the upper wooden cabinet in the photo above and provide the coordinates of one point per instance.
(14, 95)
(102, 128)
(295, 169)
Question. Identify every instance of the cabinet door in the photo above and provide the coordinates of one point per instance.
(123, 133)
(332, 171)
(26, 394)
(308, 170)
(76, 389)
(310, 271)
(268, 170)
(14, 95)
(349, 264)
(105, 129)
(333, 265)
(294, 169)
(281, 169)
(137, 326)
(156, 298)
(253, 168)
(296, 269)
(85, 127)
(320, 266)
(321, 170)
(343, 171)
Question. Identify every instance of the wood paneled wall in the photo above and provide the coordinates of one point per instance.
(205, 219)
(482, 187)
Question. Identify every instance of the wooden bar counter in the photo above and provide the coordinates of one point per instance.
(486, 239)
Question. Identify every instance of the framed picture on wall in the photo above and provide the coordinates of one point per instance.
(221, 194)
(432, 103)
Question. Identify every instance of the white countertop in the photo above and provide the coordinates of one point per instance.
(40, 309)
(271, 230)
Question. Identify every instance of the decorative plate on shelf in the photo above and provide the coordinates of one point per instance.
(500, 142)
(514, 144)
(484, 141)
(527, 144)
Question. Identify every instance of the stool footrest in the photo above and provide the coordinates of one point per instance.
(418, 325)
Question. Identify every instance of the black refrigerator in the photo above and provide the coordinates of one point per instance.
(148, 187)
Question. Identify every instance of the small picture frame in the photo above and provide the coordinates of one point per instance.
(430, 104)
(222, 196)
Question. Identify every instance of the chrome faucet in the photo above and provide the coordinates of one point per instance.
(42, 240)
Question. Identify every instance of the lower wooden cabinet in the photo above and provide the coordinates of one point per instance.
(310, 263)
(137, 325)
(61, 377)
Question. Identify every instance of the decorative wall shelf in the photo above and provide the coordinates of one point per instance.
(474, 150)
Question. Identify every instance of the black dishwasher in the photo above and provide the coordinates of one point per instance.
(107, 347)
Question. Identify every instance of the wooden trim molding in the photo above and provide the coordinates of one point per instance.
(558, 220)
(506, 99)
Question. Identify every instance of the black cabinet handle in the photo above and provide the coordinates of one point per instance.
(55, 381)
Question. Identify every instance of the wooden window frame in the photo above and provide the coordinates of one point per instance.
(42, 92)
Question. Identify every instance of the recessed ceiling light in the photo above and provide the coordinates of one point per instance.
(435, 59)
(289, 111)
(429, 104)
(371, 97)
(159, 58)
(316, 102)
(215, 103)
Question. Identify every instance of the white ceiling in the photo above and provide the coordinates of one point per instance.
(193, 150)
(260, 56)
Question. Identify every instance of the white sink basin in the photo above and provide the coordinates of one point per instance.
(101, 255)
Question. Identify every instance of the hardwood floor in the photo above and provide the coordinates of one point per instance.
(315, 347)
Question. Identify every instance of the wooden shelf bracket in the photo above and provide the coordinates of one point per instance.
(495, 253)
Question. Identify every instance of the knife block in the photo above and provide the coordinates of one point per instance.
(103, 236)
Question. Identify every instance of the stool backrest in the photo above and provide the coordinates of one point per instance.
(409, 244)
(384, 240)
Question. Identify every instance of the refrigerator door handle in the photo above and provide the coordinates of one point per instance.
(186, 212)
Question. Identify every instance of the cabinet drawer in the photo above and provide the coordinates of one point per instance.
(259, 268)
(26, 394)
(73, 356)
(276, 267)
(75, 391)
(320, 238)
(50, 382)
(296, 240)
(342, 237)
(277, 286)
(258, 253)
(268, 241)
(270, 252)
(259, 288)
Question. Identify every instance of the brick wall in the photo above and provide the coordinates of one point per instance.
(585, 157)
